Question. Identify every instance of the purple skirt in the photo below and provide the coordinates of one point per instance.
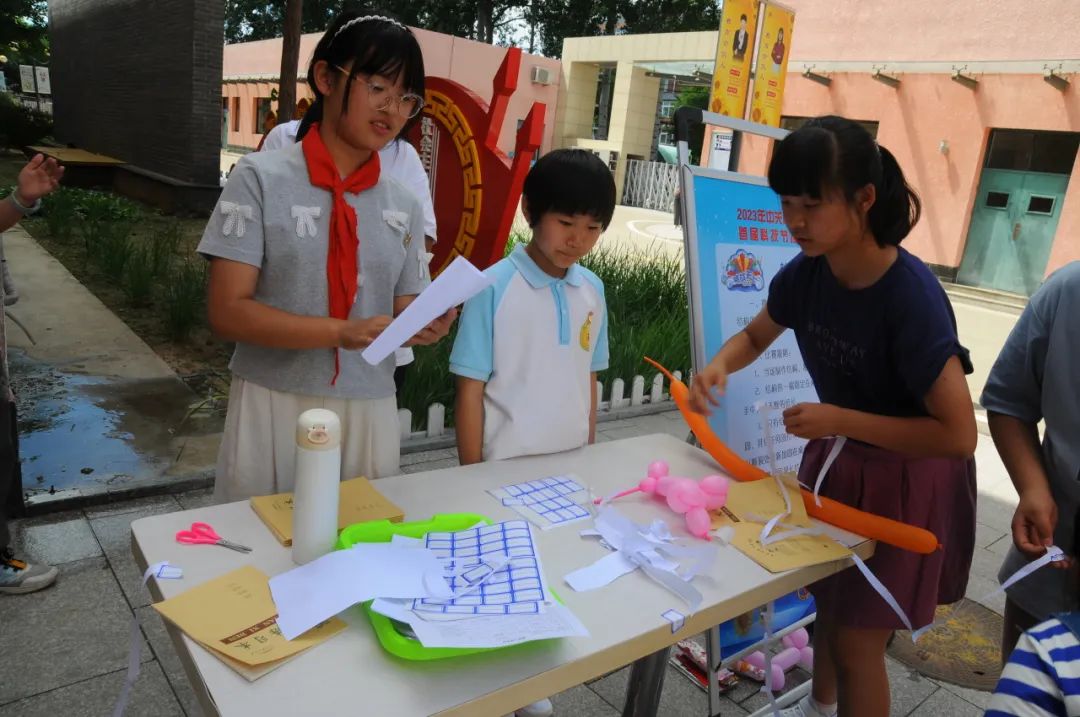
(933, 493)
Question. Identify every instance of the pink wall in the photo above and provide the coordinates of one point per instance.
(926, 109)
(473, 64)
(939, 30)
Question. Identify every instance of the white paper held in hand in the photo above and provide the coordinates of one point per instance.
(457, 283)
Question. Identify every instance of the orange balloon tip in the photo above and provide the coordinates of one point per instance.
(660, 368)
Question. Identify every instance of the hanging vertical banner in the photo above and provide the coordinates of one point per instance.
(773, 50)
(734, 57)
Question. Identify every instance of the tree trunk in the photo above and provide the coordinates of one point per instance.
(290, 56)
(485, 21)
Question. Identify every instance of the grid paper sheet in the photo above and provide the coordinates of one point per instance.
(516, 587)
(547, 502)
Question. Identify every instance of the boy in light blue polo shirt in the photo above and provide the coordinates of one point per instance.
(529, 346)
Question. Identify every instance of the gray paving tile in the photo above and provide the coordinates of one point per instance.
(679, 698)
(945, 704)
(55, 539)
(985, 535)
(408, 459)
(978, 698)
(995, 513)
(979, 587)
(166, 504)
(985, 564)
(430, 465)
(151, 697)
(114, 534)
(196, 499)
(758, 699)
(1000, 547)
(161, 646)
(73, 631)
(907, 688)
(580, 701)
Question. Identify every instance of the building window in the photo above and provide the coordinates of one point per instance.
(262, 114)
(666, 137)
(667, 108)
(793, 123)
(1030, 151)
(235, 114)
(613, 161)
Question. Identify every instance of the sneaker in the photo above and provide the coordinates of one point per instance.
(541, 708)
(808, 707)
(17, 576)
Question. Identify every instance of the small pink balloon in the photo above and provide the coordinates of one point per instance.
(648, 485)
(675, 502)
(665, 485)
(658, 469)
(715, 489)
(798, 639)
(698, 523)
(806, 658)
(692, 496)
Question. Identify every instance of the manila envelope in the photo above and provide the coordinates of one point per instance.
(359, 502)
(751, 504)
(234, 616)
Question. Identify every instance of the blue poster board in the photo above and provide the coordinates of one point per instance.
(736, 243)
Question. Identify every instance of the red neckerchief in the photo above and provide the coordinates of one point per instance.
(342, 264)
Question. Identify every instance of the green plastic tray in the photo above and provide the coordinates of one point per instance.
(382, 531)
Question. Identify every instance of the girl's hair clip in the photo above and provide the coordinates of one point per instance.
(366, 18)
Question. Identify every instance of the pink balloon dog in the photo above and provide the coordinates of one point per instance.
(685, 496)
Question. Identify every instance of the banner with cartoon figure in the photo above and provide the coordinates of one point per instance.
(734, 57)
(741, 243)
(774, 49)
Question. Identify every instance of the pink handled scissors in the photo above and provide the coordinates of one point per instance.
(203, 534)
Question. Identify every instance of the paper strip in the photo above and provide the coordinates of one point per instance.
(135, 646)
(676, 618)
(837, 446)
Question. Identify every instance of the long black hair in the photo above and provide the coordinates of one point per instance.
(375, 45)
(835, 154)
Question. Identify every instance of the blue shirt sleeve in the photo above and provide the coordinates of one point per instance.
(924, 337)
(782, 293)
(601, 354)
(1014, 387)
(474, 347)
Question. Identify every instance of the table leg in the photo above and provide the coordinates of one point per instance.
(646, 684)
(712, 667)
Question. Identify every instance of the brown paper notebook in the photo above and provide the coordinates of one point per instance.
(234, 617)
(359, 502)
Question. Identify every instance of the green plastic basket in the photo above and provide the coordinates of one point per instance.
(382, 531)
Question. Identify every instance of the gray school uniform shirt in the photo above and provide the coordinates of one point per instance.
(271, 217)
(1036, 378)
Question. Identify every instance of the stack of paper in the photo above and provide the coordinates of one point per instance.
(500, 596)
(234, 617)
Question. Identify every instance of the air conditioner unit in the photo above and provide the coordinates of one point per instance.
(541, 75)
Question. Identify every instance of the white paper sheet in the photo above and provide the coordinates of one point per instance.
(489, 631)
(311, 593)
(457, 283)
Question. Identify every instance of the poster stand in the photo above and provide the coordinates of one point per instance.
(734, 243)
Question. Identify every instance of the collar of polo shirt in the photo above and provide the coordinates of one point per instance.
(537, 277)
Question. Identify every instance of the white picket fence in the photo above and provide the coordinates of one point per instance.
(617, 403)
(650, 185)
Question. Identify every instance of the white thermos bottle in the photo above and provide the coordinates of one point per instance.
(318, 480)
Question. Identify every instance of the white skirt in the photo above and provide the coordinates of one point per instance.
(258, 450)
